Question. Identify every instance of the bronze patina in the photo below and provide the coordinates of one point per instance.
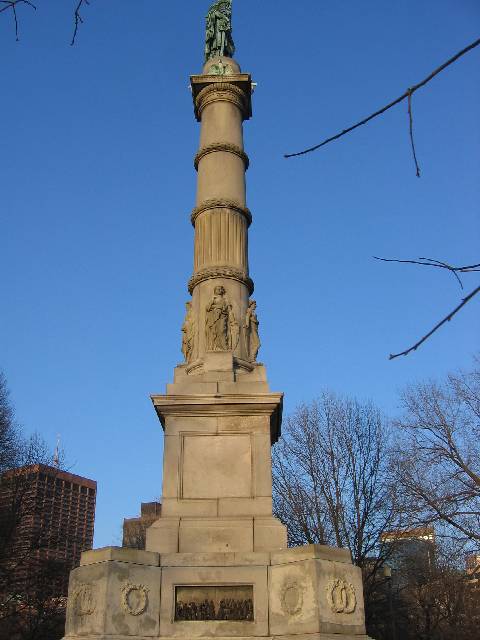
(218, 37)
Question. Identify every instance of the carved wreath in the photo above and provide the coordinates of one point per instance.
(141, 592)
(291, 598)
(83, 600)
(341, 596)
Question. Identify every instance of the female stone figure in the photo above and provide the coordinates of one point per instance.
(218, 38)
(251, 331)
(217, 321)
(188, 333)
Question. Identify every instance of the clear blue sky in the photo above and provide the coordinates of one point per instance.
(97, 184)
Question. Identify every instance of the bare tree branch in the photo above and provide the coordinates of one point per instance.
(78, 20)
(431, 262)
(407, 95)
(412, 142)
(12, 4)
(437, 326)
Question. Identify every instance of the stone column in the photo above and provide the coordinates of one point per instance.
(219, 415)
(221, 217)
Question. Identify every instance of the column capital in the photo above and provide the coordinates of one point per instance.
(236, 88)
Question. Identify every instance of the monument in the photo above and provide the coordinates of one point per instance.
(216, 562)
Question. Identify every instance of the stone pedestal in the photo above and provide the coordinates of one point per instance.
(311, 592)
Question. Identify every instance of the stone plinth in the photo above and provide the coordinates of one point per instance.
(217, 482)
(311, 592)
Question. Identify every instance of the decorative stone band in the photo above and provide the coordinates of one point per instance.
(222, 146)
(207, 205)
(220, 272)
(221, 91)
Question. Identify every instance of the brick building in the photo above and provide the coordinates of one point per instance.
(135, 529)
(45, 515)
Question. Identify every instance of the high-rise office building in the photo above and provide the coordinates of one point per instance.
(45, 514)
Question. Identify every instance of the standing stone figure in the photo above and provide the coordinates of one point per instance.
(218, 37)
(188, 333)
(251, 331)
(221, 327)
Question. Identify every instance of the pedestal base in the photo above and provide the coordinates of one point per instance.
(306, 593)
(312, 636)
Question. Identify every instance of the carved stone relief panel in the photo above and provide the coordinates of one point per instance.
(84, 602)
(203, 603)
(134, 598)
(341, 596)
(292, 597)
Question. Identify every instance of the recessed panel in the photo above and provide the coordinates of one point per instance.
(216, 466)
(203, 603)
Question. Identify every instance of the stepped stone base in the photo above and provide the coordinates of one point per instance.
(311, 592)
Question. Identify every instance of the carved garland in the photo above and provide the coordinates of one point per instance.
(222, 146)
(341, 596)
(221, 91)
(221, 204)
(220, 272)
(142, 594)
(83, 598)
(291, 598)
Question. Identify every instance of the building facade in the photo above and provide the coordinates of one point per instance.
(135, 529)
(46, 518)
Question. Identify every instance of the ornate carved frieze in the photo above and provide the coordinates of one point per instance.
(222, 146)
(221, 92)
(134, 598)
(202, 603)
(341, 596)
(208, 205)
(83, 598)
(220, 272)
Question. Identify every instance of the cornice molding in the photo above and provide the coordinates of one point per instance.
(208, 205)
(222, 146)
(220, 272)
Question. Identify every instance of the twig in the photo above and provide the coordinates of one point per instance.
(437, 326)
(412, 142)
(430, 262)
(407, 93)
(78, 20)
(12, 4)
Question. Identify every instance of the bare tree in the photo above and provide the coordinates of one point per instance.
(9, 434)
(436, 600)
(439, 454)
(332, 483)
